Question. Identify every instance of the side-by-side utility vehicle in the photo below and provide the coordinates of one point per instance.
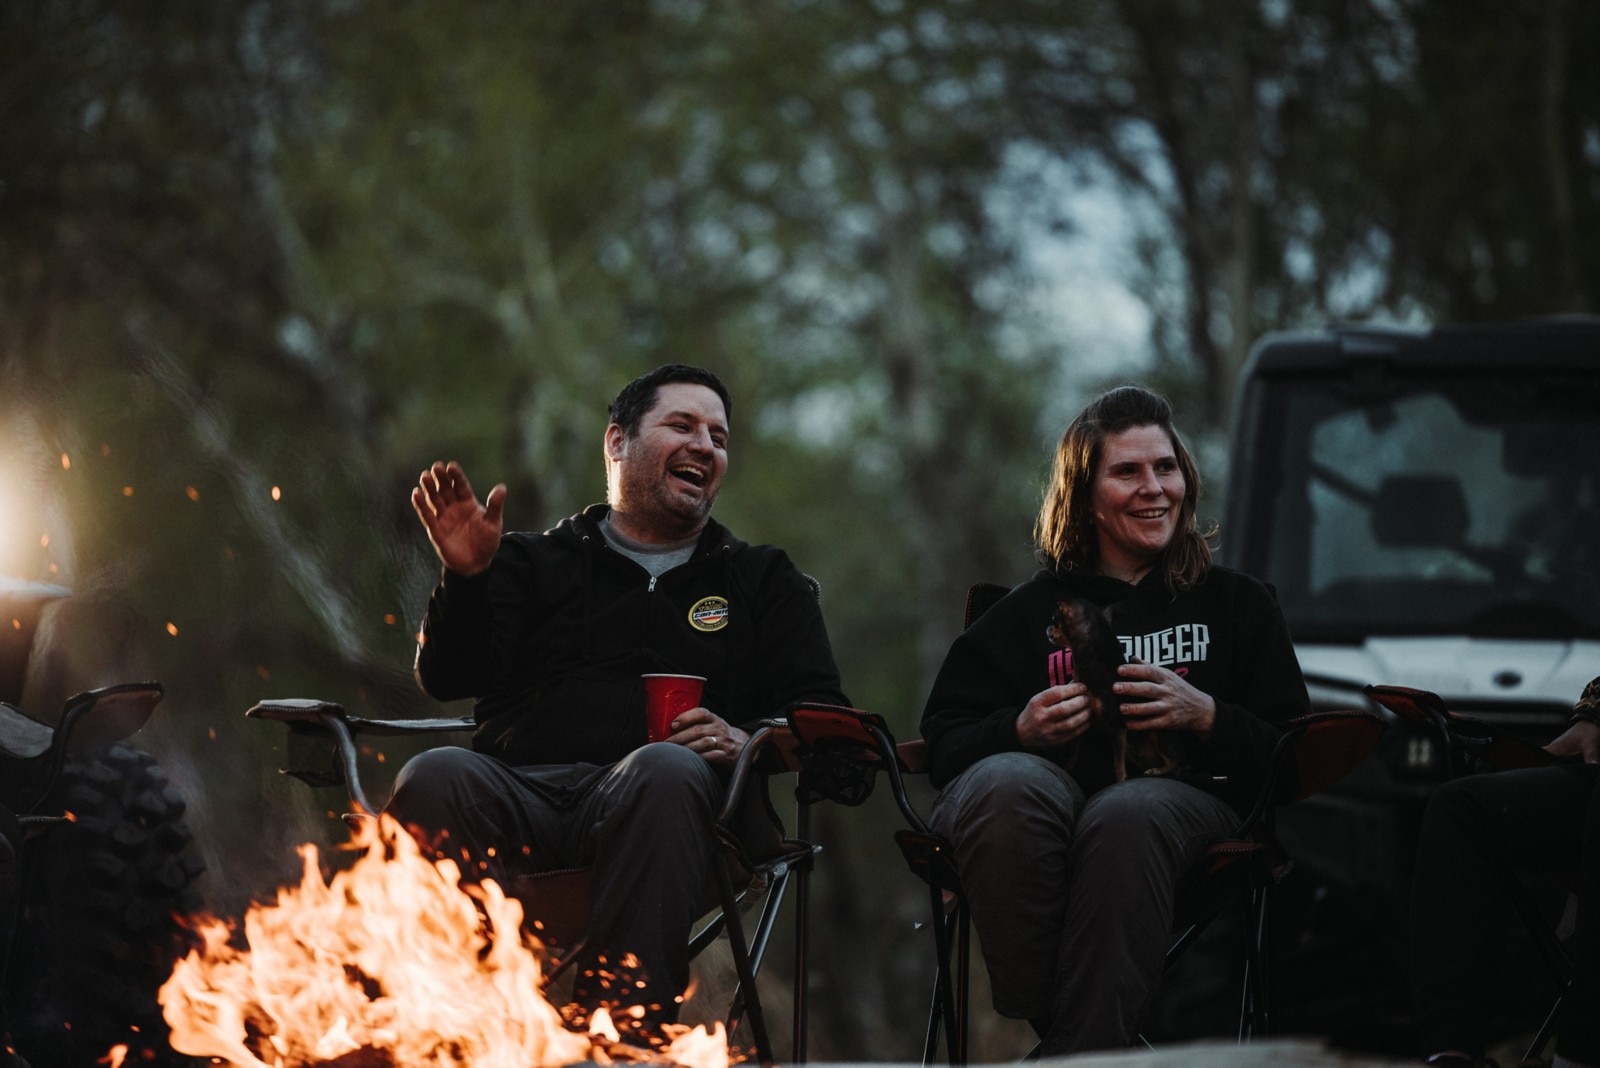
(1427, 506)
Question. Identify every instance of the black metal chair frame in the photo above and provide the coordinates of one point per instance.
(1252, 854)
(32, 753)
(323, 752)
(1317, 749)
(929, 855)
(1466, 741)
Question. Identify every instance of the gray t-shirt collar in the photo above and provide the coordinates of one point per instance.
(657, 559)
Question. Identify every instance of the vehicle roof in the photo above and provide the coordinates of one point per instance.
(1558, 343)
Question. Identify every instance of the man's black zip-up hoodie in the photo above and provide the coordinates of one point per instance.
(553, 638)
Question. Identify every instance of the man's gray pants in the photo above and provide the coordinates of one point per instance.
(1073, 898)
(645, 825)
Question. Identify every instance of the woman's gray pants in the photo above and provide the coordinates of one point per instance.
(1073, 898)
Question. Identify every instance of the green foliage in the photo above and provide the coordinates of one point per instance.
(313, 247)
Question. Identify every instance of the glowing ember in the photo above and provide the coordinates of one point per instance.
(392, 962)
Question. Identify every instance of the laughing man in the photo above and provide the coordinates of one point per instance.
(550, 633)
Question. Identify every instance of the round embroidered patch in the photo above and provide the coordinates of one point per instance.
(709, 613)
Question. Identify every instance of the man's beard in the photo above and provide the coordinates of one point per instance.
(653, 502)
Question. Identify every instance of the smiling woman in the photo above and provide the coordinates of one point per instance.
(1059, 843)
(1136, 492)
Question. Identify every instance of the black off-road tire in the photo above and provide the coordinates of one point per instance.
(102, 897)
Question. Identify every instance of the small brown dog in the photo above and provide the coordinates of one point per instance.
(1082, 628)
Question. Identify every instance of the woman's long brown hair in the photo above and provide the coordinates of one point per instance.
(1065, 533)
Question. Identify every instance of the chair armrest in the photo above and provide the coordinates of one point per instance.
(1501, 749)
(814, 722)
(1327, 746)
(316, 714)
(89, 721)
(768, 734)
(1318, 750)
(1418, 706)
(913, 756)
(855, 736)
(97, 718)
(322, 749)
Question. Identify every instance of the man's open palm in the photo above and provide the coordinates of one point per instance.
(464, 532)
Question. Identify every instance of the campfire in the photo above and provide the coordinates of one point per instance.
(392, 962)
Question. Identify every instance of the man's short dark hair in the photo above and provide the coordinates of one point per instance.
(639, 396)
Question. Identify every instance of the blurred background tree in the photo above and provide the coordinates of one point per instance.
(260, 263)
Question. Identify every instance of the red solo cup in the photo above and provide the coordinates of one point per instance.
(665, 696)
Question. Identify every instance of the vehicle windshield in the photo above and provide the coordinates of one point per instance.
(1433, 503)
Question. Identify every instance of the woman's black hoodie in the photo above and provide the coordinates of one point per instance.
(1226, 635)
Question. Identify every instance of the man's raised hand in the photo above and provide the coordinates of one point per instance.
(464, 533)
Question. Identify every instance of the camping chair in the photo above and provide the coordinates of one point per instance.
(1472, 745)
(32, 754)
(1240, 871)
(860, 739)
(322, 751)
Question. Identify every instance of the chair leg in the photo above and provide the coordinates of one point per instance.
(1253, 1018)
(930, 1041)
(566, 962)
(802, 965)
(952, 934)
(802, 941)
(1263, 942)
(747, 995)
(758, 944)
(946, 996)
(963, 978)
(1535, 1051)
(1555, 958)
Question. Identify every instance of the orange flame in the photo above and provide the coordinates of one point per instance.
(394, 962)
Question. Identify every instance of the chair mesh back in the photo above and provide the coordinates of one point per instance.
(1332, 749)
(838, 770)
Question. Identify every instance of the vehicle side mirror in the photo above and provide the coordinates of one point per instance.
(1420, 512)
